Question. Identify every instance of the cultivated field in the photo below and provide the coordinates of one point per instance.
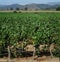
(19, 29)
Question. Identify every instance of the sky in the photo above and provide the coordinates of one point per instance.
(23, 2)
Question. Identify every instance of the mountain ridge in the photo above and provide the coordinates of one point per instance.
(33, 6)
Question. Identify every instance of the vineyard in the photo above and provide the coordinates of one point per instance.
(17, 30)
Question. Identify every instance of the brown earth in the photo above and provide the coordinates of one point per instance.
(30, 59)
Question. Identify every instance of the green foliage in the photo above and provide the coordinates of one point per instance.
(14, 11)
(57, 51)
(58, 8)
(43, 28)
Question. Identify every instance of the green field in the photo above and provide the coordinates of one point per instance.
(41, 28)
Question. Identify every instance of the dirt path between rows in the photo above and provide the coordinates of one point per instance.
(30, 59)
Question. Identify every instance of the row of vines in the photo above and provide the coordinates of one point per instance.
(17, 29)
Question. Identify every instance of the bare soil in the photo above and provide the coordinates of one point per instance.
(30, 59)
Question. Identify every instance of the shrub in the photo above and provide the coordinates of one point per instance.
(14, 11)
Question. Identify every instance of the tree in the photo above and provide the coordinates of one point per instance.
(17, 8)
(11, 8)
(26, 8)
(58, 8)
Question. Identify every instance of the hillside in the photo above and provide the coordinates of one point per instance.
(32, 6)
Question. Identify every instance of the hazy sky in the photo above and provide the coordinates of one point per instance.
(6, 2)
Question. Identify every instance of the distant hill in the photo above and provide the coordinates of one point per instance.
(14, 6)
(51, 5)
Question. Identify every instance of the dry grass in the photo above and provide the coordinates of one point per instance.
(23, 11)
